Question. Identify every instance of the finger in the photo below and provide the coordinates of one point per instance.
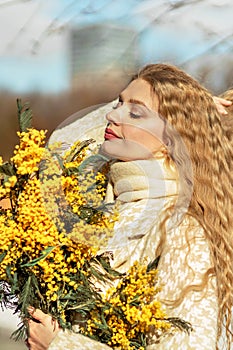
(219, 101)
(31, 310)
(221, 109)
(27, 343)
(224, 102)
(55, 324)
(39, 315)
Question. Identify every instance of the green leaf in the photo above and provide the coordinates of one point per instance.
(45, 253)
(7, 169)
(2, 256)
(100, 276)
(26, 294)
(8, 273)
(96, 160)
(105, 263)
(24, 116)
(71, 171)
(15, 283)
(153, 265)
(59, 159)
(103, 319)
(20, 333)
(77, 150)
(180, 324)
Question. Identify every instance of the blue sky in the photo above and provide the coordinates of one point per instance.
(34, 34)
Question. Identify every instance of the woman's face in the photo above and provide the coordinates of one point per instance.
(134, 129)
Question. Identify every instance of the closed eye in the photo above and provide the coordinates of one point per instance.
(134, 116)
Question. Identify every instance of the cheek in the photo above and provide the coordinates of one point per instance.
(151, 140)
(113, 148)
(158, 129)
(134, 133)
(143, 135)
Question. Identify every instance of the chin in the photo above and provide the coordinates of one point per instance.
(111, 150)
(105, 150)
(124, 151)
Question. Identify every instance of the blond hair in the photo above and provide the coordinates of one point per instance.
(227, 121)
(189, 108)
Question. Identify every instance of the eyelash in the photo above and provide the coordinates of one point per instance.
(132, 115)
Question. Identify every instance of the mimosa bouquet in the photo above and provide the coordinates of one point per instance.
(51, 230)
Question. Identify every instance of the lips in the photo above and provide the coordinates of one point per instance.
(110, 134)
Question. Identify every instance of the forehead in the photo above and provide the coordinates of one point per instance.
(140, 90)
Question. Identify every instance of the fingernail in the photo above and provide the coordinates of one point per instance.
(31, 309)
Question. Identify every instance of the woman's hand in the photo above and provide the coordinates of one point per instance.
(221, 103)
(41, 333)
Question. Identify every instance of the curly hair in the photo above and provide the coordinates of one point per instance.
(189, 109)
(227, 121)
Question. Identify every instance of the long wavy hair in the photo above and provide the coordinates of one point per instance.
(227, 121)
(189, 108)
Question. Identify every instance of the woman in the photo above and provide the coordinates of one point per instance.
(166, 130)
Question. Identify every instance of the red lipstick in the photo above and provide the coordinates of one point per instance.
(110, 134)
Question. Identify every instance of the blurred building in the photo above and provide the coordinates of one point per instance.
(103, 54)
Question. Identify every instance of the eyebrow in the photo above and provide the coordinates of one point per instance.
(132, 100)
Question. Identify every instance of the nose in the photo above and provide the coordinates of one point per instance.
(114, 116)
